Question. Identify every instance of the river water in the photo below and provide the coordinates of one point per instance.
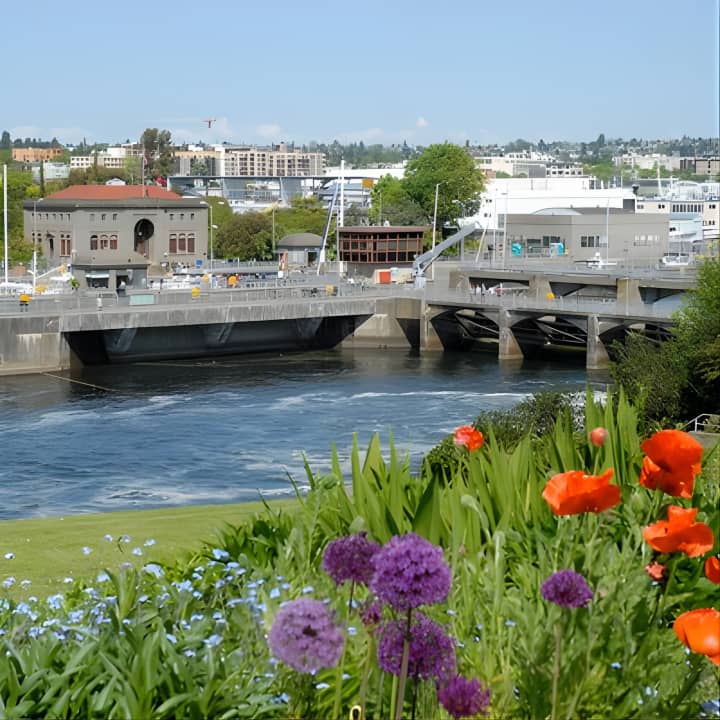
(166, 434)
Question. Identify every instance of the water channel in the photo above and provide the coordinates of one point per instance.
(167, 434)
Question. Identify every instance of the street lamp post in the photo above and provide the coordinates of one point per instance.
(212, 227)
(34, 270)
(437, 190)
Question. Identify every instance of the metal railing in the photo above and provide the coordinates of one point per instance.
(706, 422)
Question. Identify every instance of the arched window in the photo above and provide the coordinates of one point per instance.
(182, 247)
(113, 242)
(93, 242)
(191, 242)
(104, 243)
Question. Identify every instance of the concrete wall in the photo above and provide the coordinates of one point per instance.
(32, 344)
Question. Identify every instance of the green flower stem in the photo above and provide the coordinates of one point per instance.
(340, 669)
(366, 673)
(399, 701)
(556, 669)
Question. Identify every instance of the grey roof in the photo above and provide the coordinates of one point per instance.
(301, 240)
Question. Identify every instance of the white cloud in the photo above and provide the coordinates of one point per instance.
(421, 122)
(268, 131)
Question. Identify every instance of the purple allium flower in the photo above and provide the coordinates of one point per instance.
(567, 589)
(305, 637)
(349, 558)
(464, 698)
(371, 614)
(432, 651)
(409, 572)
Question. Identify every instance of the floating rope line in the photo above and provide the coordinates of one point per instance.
(80, 382)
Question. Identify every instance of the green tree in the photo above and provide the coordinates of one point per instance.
(19, 187)
(460, 182)
(678, 379)
(697, 339)
(5, 141)
(132, 169)
(391, 202)
(159, 157)
(247, 236)
(198, 166)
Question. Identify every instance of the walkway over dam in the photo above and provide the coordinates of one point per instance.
(64, 331)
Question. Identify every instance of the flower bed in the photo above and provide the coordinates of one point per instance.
(554, 580)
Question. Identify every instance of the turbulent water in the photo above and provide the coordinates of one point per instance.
(166, 434)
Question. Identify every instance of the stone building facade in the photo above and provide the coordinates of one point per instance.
(119, 233)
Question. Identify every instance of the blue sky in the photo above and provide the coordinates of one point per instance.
(381, 71)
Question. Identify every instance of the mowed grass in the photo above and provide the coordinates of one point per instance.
(49, 550)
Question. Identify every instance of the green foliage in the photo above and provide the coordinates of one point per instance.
(697, 332)
(460, 182)
(652, 375)
(679, 379)
(247, 236)
(391, 202)
(20, 187)
(535, 415)
(159, 157)
(189, 640)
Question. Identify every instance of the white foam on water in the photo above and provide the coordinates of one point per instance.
(290, 401)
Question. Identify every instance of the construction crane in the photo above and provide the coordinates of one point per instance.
(209, 121)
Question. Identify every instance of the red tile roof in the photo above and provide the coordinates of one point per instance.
(113, 192)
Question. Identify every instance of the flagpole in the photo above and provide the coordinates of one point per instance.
(5, 221)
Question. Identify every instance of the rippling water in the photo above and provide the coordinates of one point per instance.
(166, 434)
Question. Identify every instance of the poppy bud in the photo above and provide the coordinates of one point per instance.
(598, 436)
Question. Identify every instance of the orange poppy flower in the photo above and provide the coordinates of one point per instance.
(672, 460)
(679, 533)
(700, 631)
(468, 436)
(712, 570)
(575, 492)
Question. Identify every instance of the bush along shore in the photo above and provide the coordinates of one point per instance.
(571, 574)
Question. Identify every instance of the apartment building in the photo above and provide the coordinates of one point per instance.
(32, 154)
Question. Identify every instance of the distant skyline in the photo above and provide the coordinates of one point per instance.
(483, 71)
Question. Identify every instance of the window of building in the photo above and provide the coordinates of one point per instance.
(191, 242)
(172, 216)
(182, 247)
(115, 216)
(65, 244)
(113, 242)
(92, 217)
(192, 216)
(172, 246)
(104, 242)
(103, 217)
(93, 242)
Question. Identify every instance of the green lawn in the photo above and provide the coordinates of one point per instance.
(49, 550)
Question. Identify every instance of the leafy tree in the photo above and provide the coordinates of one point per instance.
(390, 201)
(132, 170)
(697, 339)
(652, 376)
(460, 182)
(678, 379)
(5, 142)
(19, 187)
(247, 236)
(159, 157)
(198, 166)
